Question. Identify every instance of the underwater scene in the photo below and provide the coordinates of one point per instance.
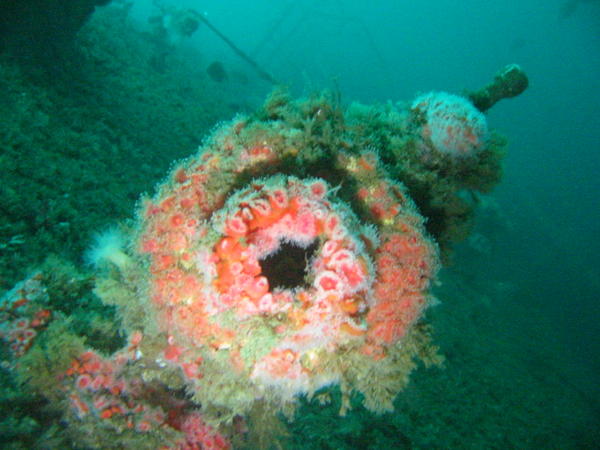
(318, 224)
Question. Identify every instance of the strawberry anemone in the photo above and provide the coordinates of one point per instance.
(272, 286)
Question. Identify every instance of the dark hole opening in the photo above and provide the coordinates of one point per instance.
(287, 267)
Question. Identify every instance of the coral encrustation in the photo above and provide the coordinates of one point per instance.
(210, 239)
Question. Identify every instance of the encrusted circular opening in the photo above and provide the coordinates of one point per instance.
(286, 268)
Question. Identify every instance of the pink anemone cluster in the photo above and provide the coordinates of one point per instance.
(365, 268)
(99, 391)
(452, 124)
(23, 315)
